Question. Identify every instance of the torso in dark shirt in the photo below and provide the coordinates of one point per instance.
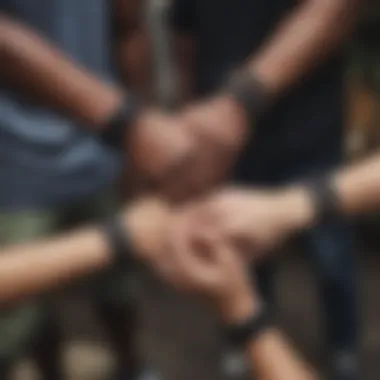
(306, 124)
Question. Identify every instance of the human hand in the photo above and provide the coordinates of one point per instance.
(214, 271)
(147, 222)
(157, 145)
(220, 131)
(257, 220)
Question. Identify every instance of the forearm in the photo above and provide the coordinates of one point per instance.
(357, 190)
(306, 37)
(31, 268)
(273, 358)
(28, 269)
(31, 64)
(358, 187)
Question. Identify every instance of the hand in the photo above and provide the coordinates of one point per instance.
(147, 222)
(214, 271)
(258, 220)
(220, 131)
(158, 144)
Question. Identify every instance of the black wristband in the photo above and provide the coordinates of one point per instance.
(249, 92)
(114, 129)
(325, 199)
(118, 240)
(240, 335)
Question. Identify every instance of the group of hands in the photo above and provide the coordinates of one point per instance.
(187, 152)
(204, 246)
(199, 237)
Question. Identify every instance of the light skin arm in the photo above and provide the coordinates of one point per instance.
(265, 218)
(28, 269)
(302, 41)
(357, 186)
(31, 268)
(33, 65)
(217, 272)
(271, 356)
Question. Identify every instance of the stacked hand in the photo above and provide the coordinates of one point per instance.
(256, 221)
(200, 249)
(215, 272)
(187, 152)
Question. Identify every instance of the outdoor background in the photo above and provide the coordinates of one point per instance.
(181, 338)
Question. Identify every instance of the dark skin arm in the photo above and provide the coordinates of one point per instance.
(34, 66)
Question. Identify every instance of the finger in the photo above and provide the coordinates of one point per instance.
(228, 256)
(190, 258)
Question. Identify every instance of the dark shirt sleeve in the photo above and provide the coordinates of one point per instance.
(183, 16)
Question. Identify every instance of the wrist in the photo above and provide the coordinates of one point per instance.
(297, 206)
(104, 106)
(146, 222)
(118, 240)
(116, 127)
(248, 92)
(239, 307)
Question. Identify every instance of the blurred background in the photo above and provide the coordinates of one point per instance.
(181, 338)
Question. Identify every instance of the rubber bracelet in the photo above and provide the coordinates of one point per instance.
(249, 92)
(115, 129)
(325, 198)
(118, 240)
(240, 335)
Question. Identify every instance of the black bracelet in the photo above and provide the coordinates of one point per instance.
(325, 199)
(115, 128)
(118, 240)
(240, 335)
(248, 91)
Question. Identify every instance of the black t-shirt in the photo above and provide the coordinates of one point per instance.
(305, 124)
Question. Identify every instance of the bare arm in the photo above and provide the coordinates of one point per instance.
(36, 67)
(28, 269)
(270, 355)
(358, 190)
(34, 267)
(303, 39)
(359, 187)
(273, 358)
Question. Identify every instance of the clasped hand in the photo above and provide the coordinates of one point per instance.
(204, 247)
(188, 152)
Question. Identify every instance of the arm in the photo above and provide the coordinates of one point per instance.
(40, 71)
(358, 187)
(357, 190)
(36, 67)
(263, 219)
(219, 274)
(302, 41)
(274, 359)
(31, 268)
(270, 355)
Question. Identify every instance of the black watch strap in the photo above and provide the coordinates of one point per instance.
(248, 91)
(325, 199)
(241, 334)
(118, 240)
(115, 128)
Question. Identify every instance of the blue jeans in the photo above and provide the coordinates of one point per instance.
(329, 246)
